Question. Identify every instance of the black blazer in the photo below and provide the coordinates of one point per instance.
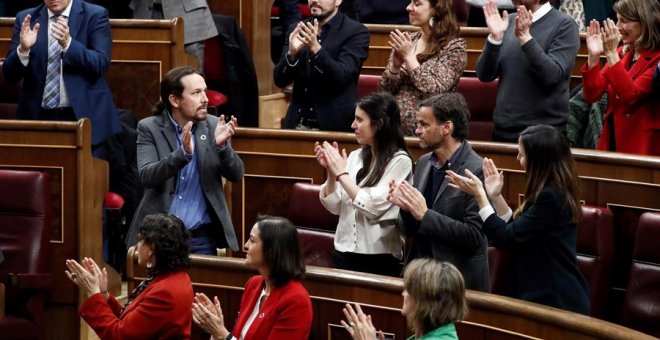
(330, 77)
(542, 244)
(451, 229)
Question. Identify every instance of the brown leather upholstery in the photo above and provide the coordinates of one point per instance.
(641, 307)
(595, 256)
(367, 84)
(316, 226)
(8, 97)
(316, 247)
(25, 228)
(306, 210)
(480, 98)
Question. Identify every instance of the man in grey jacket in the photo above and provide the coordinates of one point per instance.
(197, 20)
(182, 155)
(450, 230)
(532, 53)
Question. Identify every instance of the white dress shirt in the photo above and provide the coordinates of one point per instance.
(367, 224)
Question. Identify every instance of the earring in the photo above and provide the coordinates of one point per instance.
(431, 22)
(149, 264)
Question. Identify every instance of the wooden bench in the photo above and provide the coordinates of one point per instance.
(78, 183)
(275, 159)
(490, 316)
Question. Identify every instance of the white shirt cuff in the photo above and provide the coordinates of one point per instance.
(24, 58)
(507, 215)
(493, 41)
(485, 212)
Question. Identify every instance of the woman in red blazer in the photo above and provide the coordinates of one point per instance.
(275, 305)
(632, 121)
(159, 308)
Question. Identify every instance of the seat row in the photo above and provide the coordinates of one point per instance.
(595, 248)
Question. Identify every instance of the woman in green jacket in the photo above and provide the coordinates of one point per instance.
(433, 300)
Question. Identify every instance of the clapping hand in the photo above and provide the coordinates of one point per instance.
(28, 36)
(408, 198)
(493, 180)
(334, 161)
(402, 45)
(224, 130)
(296, 43)
(496, 23)
(208, 316)
(359, 325)
(610, 36)
(60, 32)
(523, 23)
(186, 138)
(309, 35)
(86, 281)
(469, 184)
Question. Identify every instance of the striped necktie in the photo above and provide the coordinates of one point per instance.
(52, 89)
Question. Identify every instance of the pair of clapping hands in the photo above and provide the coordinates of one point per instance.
(304, 36)
(330, 158)
(497, 24)
(222, 134)
(88, 276)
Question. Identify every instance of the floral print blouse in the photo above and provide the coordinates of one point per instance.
(436, 74)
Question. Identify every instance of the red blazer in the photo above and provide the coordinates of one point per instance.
(636, 112)
(161, 311)
(286, 314)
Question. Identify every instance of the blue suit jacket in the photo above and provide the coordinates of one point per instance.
(84, 65)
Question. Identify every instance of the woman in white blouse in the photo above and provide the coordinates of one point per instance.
(356, 188)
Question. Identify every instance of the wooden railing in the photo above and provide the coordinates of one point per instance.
(490, 316)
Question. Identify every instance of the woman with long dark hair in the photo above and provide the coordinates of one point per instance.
(356, 188)
(275, 305)
(542, 233)
(158, 308)
(427, 62)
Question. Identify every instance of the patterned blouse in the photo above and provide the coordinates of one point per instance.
(436, 74)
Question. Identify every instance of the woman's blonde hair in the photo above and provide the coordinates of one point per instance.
(438, 291)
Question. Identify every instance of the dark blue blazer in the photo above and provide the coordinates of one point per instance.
(542, 243)
(84, 66)
(330, 77)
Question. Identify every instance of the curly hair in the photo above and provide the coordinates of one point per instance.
(452, 107)
(438, 291)
(169, 238)
(383, 112)
(281, 249)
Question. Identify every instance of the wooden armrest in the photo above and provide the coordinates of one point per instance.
(30, 281)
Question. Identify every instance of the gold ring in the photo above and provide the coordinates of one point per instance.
(352, 324)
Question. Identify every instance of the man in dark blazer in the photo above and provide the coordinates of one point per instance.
(451, 229)
(81, 35)
(322, 59)
(182, 155)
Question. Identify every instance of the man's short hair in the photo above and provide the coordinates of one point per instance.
(450, 107)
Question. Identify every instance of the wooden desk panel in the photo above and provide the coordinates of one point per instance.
(490, 316)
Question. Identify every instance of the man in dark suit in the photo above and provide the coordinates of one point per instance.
(61, 50)
(322, 59)
(451, 229)
(182, 155)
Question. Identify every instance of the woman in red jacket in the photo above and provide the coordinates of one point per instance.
(632, 121)
(158, 308)
(275, 305)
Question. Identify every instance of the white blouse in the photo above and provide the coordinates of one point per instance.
(367, 225)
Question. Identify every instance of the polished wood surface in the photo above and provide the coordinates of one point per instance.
(490, 316)
(275, 159)
(142, 52)
(78, 183)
